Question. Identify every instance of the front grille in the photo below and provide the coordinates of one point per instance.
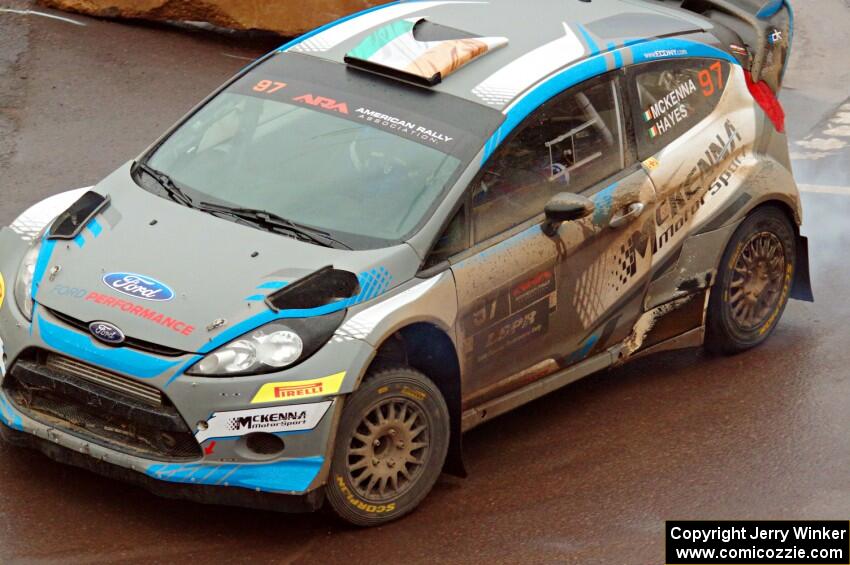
(130, 387)
(131, 342)
(100, 407)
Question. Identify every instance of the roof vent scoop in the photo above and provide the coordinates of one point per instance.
(418, 51)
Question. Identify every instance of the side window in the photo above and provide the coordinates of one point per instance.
(673, 97)
(453, 240)
(569, 144)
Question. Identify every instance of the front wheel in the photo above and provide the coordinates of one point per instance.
(753, 284)
(390, 447)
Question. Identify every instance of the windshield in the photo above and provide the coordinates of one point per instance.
(328, 157)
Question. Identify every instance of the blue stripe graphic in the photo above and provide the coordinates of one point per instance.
(8, 415)
(372, 284)
(82, 347)
(594, 47)
(95, 228)
(294, 475)
(770, 9)
(272, 285)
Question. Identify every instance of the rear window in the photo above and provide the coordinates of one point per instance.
(673, 97)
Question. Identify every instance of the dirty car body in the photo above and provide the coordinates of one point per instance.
(198, 320)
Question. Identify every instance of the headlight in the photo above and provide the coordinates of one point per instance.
(23, 284)
(271, 348)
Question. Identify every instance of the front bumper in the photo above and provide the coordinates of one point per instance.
(205, 494)
(219, 462)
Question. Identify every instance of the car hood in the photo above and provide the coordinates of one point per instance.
(166, 274)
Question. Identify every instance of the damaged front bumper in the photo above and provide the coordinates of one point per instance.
(190, 490)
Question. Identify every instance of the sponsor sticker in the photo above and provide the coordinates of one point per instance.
(272, 420)
(403, 126)
(533, 289)
(670, 110)
(138, 286)
(658, 54)
(651, 164)
(2, 290)
(139, 311)
(297, 390)
(323, 102)
(512, 331)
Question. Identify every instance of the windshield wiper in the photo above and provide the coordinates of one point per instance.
(273, 222)
(174, 191)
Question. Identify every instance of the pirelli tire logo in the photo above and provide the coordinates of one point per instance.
(272, 420)
(299, 390)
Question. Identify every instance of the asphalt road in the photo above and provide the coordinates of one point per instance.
(586, 475)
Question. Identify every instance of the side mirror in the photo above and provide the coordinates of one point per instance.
(566, 207)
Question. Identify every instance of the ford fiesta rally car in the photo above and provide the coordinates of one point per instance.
(396, 228)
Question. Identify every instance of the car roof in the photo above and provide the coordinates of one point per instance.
(543, 36)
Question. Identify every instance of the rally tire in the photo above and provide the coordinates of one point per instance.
(390, 447)
(754, 283)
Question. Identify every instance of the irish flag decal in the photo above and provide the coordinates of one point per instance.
(419, 51)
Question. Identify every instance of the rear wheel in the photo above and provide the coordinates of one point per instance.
(390, 448)
(754, 283)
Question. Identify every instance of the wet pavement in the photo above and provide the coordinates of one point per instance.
(585, 475)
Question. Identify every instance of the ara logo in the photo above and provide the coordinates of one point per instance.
(107, 333)
(138, 286)
(324, 103)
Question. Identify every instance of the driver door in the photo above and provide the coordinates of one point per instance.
(533, 304)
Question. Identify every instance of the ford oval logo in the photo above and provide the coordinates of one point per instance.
(107, 333)
(138, 286)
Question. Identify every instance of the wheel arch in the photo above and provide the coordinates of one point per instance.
(428, 348)
(802, 286)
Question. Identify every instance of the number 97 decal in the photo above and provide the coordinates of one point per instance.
(269, 86)
(707, 79)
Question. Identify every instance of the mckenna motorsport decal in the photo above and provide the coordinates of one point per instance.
(139, 311)
(706, 178)
(404, 127)
(670, 110)
(273, 420)
(138, 286)
(298, 390)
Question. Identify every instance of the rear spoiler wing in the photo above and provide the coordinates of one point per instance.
(764, 26)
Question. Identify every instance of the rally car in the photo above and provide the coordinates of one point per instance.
(396, 228)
